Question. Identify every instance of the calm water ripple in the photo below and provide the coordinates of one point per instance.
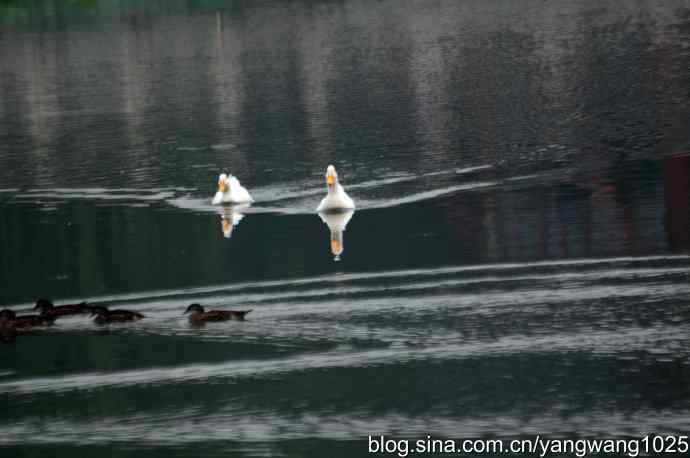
(518, 263)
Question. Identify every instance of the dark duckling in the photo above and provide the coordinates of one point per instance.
(9, 319)
(5, 316)
(49, 310)
(199, 315)
(105, 316)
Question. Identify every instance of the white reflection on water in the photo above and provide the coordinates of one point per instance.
(397, 310)
(599, 268)
(337, 222)
(540, 311)
(232, 215)
(234, 423)
(603, 342)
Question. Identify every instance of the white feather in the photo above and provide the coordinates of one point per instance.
(234, 193)
(337, 198)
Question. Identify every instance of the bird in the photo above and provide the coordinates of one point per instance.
(230, 191)
(105, 316)
(49, 310)
(337, 198)
(199, 315)
(9, 319)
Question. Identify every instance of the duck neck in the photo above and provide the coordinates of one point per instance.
(335, 189)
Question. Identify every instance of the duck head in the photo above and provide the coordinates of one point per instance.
(99, 310)
(44, 305)
(223, 193)
(222, 183)
(331, 178)
(7, 315)
(194, 308)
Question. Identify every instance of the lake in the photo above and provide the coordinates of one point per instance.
(518, 262)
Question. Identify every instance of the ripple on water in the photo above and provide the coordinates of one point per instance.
(300, 197)
(611, 306)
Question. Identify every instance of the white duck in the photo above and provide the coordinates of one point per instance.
(230, 191)
(337, 222)
(337, 198)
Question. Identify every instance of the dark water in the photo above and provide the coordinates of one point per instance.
(518, 262)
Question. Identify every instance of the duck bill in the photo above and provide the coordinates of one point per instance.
(221, 185)
(330, 181)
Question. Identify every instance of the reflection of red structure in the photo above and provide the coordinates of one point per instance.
(677, 196)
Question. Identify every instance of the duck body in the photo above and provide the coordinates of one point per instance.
(106, 316)
(49, 310)
(9, 319)
(337, 198)
(230, 191)
(199, 316)
(32, 321)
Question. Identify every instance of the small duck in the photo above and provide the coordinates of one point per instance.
(6, 315)
(9, 319)
(49, 310)
(337, 198)
(106, 316)
(230, 191)
(199, 316)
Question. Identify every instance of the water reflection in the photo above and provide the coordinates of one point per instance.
(337, 222)
(518, 166)
(7, 334)
(677, 197)
(232, 215)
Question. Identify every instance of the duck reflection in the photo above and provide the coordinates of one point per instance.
(337, 221)
(231, 217)
(7, 335)
(677, 198)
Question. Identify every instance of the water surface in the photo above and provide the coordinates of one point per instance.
(518, 263)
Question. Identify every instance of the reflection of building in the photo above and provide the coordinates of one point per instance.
(604, 217)
(677, 197)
